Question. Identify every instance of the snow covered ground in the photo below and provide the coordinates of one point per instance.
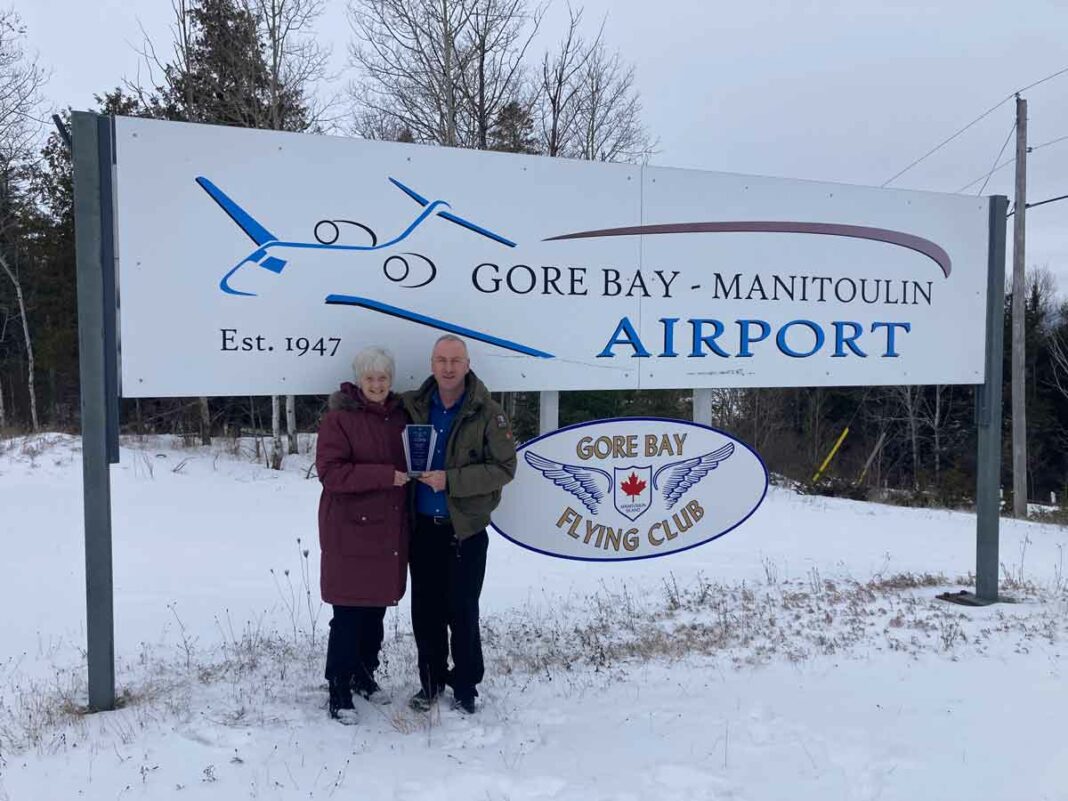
(802, 656)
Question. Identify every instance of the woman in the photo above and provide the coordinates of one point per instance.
(363, 524)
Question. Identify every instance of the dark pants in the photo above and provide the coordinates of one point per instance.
(352, 650)
(446, 584)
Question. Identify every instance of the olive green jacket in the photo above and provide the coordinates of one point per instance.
(479, 456)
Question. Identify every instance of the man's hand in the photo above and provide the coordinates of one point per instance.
(399, 478)
(435, 479)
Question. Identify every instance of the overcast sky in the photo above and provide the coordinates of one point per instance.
(834, 90)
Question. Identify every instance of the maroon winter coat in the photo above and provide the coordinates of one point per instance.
(363, 518)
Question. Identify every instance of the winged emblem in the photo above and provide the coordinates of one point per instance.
(588, 484)
(679, 477)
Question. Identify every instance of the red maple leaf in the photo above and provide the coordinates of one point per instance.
(633, 486)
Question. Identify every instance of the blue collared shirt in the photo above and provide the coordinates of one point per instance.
(428, 502)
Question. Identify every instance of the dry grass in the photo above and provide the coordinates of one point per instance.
(255, 677)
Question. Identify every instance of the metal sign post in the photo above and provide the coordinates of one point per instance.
(988, 424)
(94, 320)
(988, 414)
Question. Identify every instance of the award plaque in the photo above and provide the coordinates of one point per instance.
(419, 443)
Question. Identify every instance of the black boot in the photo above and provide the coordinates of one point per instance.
(341, 708)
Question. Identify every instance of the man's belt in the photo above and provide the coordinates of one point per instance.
(436, 520)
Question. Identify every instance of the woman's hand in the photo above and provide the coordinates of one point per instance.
(399, 478)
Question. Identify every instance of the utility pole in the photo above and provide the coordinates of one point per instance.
(1019, 411)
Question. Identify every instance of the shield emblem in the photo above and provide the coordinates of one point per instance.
(632, 491)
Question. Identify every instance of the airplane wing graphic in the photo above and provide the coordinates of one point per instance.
(685, 474)
(588, 484)
(448, 215)
(433, 322)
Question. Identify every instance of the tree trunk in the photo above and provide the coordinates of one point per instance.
(276, 433)
(3, 415)
(938, 435)
(816, 420)
(450, 82)
(28, 339)
(914, 436)
(205, 422)
(291, 422)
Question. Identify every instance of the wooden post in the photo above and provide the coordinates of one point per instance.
(1019, 407)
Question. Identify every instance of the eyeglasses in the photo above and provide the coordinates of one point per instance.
(441, 361)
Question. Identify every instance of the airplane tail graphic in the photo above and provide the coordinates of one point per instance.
(253, 229)
(245, 221)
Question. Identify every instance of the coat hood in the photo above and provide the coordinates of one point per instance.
(350, 398)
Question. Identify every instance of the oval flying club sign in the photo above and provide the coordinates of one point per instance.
(629, 488)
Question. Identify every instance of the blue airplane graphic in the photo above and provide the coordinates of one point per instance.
(266, 242)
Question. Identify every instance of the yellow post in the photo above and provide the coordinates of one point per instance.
(830, 455)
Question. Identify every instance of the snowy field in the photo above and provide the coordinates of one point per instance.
(803, 656)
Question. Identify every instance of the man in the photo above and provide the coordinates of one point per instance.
(474, 458)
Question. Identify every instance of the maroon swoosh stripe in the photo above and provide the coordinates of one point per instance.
(899, 238)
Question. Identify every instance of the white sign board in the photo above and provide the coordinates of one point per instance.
(257, 262)
(629, 488)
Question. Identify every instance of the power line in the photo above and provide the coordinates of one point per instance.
(946, 141)
(978, 119)
(1044, 202)
(1007, 162)
(1047, 144)
(997, 159)
(1041, 81)
(1040, 203)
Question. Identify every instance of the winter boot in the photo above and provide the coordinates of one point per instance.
(371, 691)
(422, 700)
(340, 705)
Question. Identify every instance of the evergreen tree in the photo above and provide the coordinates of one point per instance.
(513, 130)
(221, 73)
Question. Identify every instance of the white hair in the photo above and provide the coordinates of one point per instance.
(373, 360)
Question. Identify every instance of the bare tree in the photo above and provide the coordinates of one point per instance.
(608, 111)
(291, 422)
(21, 81)
(4, 317)
(28, 340)
(934, 413)
(559, 87)
(908, 400)
(411, 63)
(587, 101)
(495, 43)
(296, 62)
(205, 421)
(277, 452)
